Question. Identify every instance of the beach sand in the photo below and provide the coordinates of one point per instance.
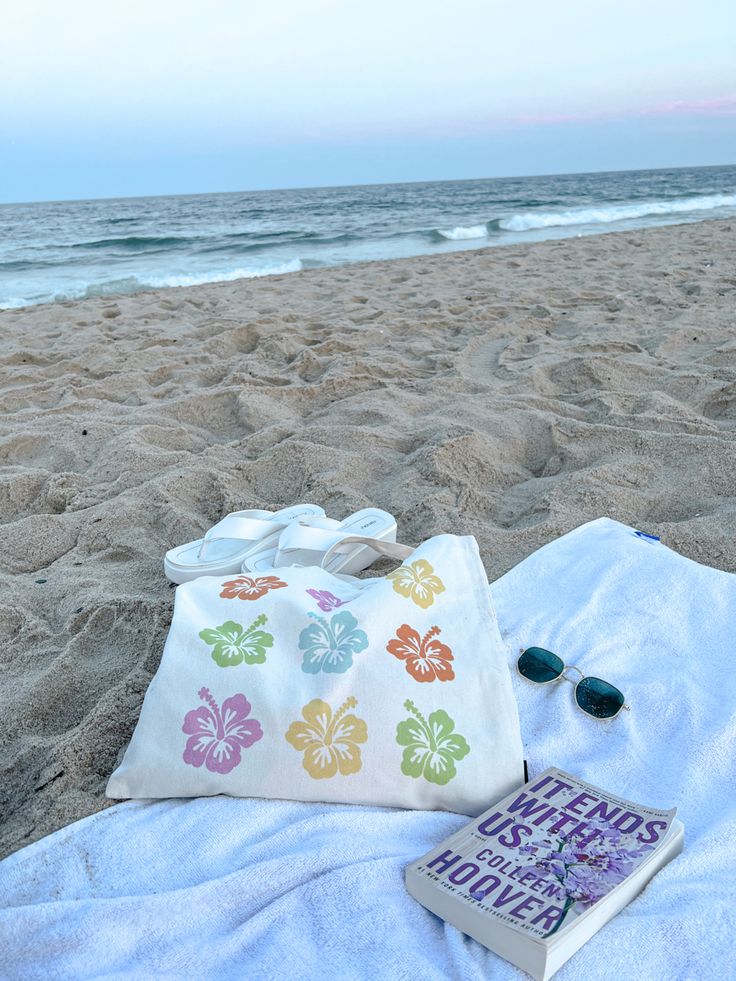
(508, 393)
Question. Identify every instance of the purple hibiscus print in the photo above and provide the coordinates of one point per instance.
(216, 736)
(587, 869)
(326, 601)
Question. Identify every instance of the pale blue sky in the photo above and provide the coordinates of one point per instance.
(109, 99)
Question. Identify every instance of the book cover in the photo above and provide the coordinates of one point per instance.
(541, 861)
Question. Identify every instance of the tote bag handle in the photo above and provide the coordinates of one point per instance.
(392, 550)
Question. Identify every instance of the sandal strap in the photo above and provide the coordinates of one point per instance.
(320, 539)
(313, 537)
(240, 527)
(392, 550)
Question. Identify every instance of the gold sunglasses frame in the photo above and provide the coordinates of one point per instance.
(563, 677)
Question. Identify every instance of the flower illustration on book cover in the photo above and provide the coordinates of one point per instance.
(432, 746)
(329, 646)
(587, 864)
(418, 582)
(248, 588)
(217, 736)
(330, 743)
(326, 600)
(232, 644)
(426, 658)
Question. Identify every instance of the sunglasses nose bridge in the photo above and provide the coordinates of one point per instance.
(572, 667)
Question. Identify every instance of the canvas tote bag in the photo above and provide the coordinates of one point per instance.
(300, 684)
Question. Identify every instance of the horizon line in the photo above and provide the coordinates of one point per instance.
(325, 187)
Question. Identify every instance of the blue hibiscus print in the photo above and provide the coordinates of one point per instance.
(329, 646)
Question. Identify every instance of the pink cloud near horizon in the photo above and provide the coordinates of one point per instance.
(722, 106)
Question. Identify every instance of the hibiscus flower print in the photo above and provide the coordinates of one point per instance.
(329, 646)
(426, 658)
(432, 747)
(417, 582)
(326, 601)
(247, 588)
(216, 736)
(232, 645)
(330, 743)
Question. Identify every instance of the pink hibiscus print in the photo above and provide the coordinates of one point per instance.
(326, 601)
(216, 736)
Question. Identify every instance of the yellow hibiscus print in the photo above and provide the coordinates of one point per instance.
(329, 743)
(417, 582)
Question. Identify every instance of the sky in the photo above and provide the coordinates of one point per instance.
(108, 99)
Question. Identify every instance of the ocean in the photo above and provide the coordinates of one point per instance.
(55, 251)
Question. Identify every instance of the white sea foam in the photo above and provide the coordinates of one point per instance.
(198, 279)
(131, 284)
(464, 232)
(614, 212)
(14, 302)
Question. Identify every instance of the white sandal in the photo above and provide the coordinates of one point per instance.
(342, 544)
(231, 541)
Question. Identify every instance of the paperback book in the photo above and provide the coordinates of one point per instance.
(538, 874)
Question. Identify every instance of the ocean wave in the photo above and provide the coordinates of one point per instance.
(134, 284)
(241, 243)
(15, 302)
(23, 265)
(463, 232)
(233, 242)
(131, 284)
(198, 279)
(133, 243)
(606, 214)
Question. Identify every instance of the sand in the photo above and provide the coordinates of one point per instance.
(507, 393)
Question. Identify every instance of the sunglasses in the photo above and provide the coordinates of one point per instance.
(594, 696)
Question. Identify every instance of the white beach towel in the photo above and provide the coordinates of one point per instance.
(229, 888)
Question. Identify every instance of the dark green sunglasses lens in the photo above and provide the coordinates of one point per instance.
(539, 665)
(598, 698)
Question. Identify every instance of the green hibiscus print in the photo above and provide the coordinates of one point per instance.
(432, 747)
(329, 646)
(231, 644)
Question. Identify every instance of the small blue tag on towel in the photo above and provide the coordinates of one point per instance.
(648, 538)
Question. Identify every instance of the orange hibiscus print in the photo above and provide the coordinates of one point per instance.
(426, 658)
(245, 588)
